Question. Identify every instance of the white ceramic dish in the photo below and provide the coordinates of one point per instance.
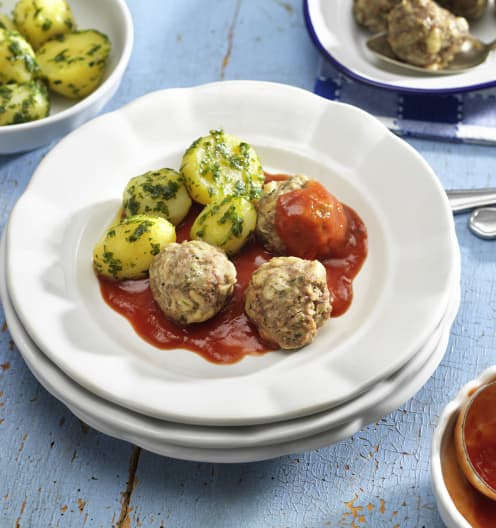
(333, 29)
(401, 293)
(228, 444)
(444, 429)
(381, 399)
(113, 18)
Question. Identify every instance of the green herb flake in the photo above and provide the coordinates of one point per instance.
(61, 57)
(141, 229)
(94, 49)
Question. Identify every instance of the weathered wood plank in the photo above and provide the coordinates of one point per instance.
(56, 472)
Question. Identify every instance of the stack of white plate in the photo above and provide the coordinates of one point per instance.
(361, 366)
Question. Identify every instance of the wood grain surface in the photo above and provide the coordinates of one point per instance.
(57, 472)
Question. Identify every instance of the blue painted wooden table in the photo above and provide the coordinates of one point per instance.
(55, 471)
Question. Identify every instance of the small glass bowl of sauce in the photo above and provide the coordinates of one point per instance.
(475, 440)
(462, 457)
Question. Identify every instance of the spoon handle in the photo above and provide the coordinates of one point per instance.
(462, 200)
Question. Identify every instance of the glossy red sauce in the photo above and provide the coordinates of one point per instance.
(311, 222)
(480, 434)
(478, 510)
(229, 336)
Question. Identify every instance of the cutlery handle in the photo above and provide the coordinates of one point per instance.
(462, 200)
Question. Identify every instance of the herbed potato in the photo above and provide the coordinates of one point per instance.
(74, 63)
(127, 249)
(220, 165)
(227, 223)
(20, 103)
(6, 23)
(161, 192)
(41, 20)
(17, 59)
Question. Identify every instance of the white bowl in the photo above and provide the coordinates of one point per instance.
(450, 515)
(111, 17)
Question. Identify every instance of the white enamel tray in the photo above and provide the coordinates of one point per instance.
(400, 297)
(229, 444)
(335, 33)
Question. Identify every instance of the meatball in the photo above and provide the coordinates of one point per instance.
(266, 208)
(372, 14)
(288, 300)
(192, 281)
(422, 33)
(471, 9)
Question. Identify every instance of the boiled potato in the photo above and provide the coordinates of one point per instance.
(226, 223)
(6, 23)
(41, 20)
(17, 60)
(74, 63)
(127, 249)
(221, 165)
(20, 103)
(161, 192)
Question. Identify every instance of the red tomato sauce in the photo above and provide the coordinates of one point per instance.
(229, 336)
(478, 510)
(311, 222)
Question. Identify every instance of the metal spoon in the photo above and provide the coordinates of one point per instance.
(462, 200)
(482, 222)
(472, 53)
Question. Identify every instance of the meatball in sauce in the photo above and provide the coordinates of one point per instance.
(192, 281)
(300, 217)
(288, 300)
(424, 34)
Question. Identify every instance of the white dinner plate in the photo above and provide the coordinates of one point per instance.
(380, 399)
(335, 33)
(213, 444)
(400, 296)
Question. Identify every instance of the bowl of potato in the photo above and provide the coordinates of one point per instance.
(61, 61)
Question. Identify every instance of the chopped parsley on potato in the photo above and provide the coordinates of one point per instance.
(226, 223)
(127, 249)
(6, 23)
(20, 103)
(17, 59)
(74, 63)
(42, 20)
(159, 192)
(220, 165)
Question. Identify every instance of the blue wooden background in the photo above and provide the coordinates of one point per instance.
(57, 472)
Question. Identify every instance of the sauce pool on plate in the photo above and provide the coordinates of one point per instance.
(229, 336)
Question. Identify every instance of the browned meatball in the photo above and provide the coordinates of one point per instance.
(288, 300)
(266, 208)
(192, 281)
(372, 14)
(471, 9)
(422, 33)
